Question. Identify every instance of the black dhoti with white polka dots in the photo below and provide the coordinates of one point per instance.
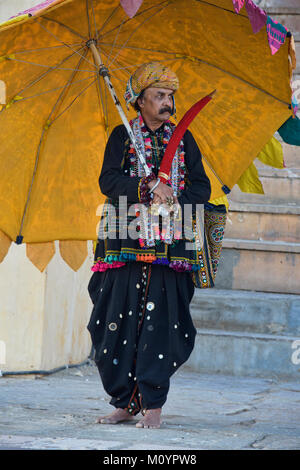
(141, 330)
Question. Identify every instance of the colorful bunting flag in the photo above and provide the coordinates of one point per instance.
(272, 154)
(238, 4)
(249, 182)
(290, 131)
(257, 16)
(276, 34)
(131, 6)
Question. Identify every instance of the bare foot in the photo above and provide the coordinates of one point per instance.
(115, 417)
(151, 419)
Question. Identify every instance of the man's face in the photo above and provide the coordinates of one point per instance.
(157, 104)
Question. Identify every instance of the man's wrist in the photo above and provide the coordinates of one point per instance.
(143, 188)
(153, 184)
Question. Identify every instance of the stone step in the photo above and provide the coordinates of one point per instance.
(262, 222)
(245, 354)
(266, 171)
(247, 312)
(280, 187)
(245, 333)
(259, 266)
(264, 208)
(261, 245)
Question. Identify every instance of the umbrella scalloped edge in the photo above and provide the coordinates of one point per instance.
(5, 242)
(73, 252)
(40, 254)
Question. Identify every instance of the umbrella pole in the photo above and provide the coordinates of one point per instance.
(103, 71)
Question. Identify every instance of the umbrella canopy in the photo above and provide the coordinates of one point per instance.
(58, 114)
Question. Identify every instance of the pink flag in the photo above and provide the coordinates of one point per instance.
(256, 15)
(131, 6)
(238, 4)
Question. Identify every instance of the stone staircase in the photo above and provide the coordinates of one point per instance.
(249, 324)
(262, 238)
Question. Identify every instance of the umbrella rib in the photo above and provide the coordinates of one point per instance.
(117, 62)
(45, 48)
(167, 2)
(54, 89)
(113, 45)
(60, 98)
(65, 44)
(222, 8)
(40, 77)
(88, 17)
(94, 17)
(132, 33)
(46, 66)
(62, 94)
(108, 19)
(76, 97)
(120, 65)
(237, 78)
(64, 26)
(205, 62)
(126, 66)
(55, 67)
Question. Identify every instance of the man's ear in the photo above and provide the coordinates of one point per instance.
(140, 102)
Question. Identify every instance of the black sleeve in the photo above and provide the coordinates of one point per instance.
(198, 188)
(113, 183)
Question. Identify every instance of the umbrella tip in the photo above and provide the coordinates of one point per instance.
(212, 93)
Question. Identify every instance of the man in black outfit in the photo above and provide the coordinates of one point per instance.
(141, 326)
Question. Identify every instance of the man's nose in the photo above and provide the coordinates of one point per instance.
(168, 101)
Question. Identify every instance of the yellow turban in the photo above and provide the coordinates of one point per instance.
(153, 74)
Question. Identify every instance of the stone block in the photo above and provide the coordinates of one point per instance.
(264, 225)
(244, 354)
(251, 268)
(246, 311)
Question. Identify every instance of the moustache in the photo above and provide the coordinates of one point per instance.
(166, 109)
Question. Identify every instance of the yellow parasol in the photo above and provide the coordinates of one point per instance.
(58, 112)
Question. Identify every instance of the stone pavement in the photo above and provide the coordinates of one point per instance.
(204, 412)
